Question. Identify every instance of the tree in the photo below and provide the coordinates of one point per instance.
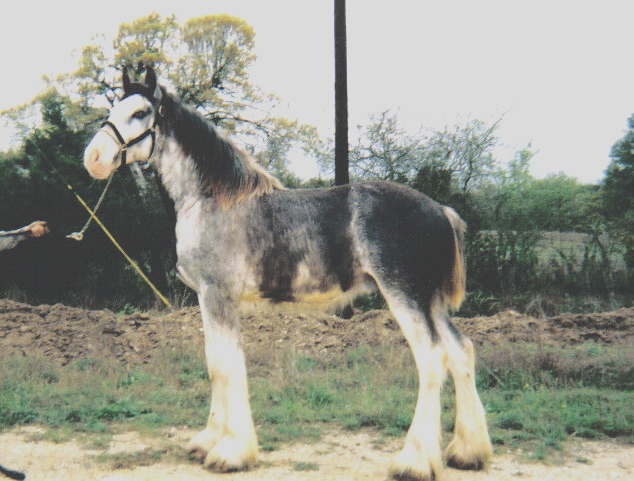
(341, 95)
(385, 151)
(205, 62)
(618, 191)
(213, 73)
(466, 150)
(146, 41)
(444, 164)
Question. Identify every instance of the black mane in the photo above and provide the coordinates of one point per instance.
(224, 170)
(215, 158)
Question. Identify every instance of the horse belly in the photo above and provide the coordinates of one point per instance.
(311, 288)
(304, 286)
(325, 298)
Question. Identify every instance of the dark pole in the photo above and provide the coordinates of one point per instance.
(341, 95)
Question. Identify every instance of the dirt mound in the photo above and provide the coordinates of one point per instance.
(64, 333)
(609, 328)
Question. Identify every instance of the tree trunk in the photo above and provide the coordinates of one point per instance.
(341, 95)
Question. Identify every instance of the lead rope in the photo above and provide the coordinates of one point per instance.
(79, 236)
(113, 240)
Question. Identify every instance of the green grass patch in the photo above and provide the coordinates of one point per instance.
(532, 394)
(144, 457)
(91, 395)
(549, 416)
(543, 395)
(304, 466)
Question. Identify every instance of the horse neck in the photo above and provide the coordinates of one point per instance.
(178, 173)
(186, 137)
(197, 162)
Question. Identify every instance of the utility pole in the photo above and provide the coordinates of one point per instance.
(341, 95)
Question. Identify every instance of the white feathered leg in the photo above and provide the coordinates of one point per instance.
(229, 442)
(471, 446)
(420, 459)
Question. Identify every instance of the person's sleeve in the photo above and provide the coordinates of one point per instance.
(9, 240)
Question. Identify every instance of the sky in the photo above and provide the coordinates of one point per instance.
(558, 72)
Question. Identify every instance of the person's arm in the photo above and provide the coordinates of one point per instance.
(10, 239)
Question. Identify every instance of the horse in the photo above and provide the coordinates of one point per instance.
(240, 235)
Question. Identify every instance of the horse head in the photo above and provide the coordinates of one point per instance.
(129, 134)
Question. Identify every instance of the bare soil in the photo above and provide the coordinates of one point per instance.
(361, 456)
(64, 334)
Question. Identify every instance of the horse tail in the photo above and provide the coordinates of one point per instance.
(454, 286)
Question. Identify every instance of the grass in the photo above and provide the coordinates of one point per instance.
(306, 466)
(533, 395)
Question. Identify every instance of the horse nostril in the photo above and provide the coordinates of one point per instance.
(92, 157)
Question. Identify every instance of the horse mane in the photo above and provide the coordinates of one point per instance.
(226, 172)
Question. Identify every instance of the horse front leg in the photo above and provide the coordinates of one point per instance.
(228, 442)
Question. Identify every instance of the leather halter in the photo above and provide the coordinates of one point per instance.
(124, 146)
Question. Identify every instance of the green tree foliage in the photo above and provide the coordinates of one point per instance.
(53, 268)
(518, 201)
(213, 74)
(618, 191)
(465, 150)
(145, 41)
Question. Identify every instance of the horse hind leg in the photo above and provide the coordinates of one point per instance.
(420, 459)
(470, 447)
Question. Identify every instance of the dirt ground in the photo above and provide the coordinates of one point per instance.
(64, 334)
(337, 456)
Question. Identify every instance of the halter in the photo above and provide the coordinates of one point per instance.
(123, 145)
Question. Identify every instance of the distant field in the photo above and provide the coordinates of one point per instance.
(573, 245)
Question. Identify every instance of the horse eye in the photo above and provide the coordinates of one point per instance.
(140, 114)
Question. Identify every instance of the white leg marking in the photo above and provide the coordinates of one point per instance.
(229, 442)
(420, 458)
(471, 446)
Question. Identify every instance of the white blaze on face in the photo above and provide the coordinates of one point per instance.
(100, 157)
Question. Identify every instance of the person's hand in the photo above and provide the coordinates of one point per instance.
(38, 228)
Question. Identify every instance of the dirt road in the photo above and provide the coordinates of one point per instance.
(361, 456)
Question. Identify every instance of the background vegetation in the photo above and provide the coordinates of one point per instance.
(540, 245)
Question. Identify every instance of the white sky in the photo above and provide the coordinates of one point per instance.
(562, 70)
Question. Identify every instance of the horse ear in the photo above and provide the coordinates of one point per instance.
(126, 79)
(150, 79)
(151, 83)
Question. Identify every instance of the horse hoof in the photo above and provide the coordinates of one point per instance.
(406, 466)
(201, 444)
(231, 455)
(468, 456)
